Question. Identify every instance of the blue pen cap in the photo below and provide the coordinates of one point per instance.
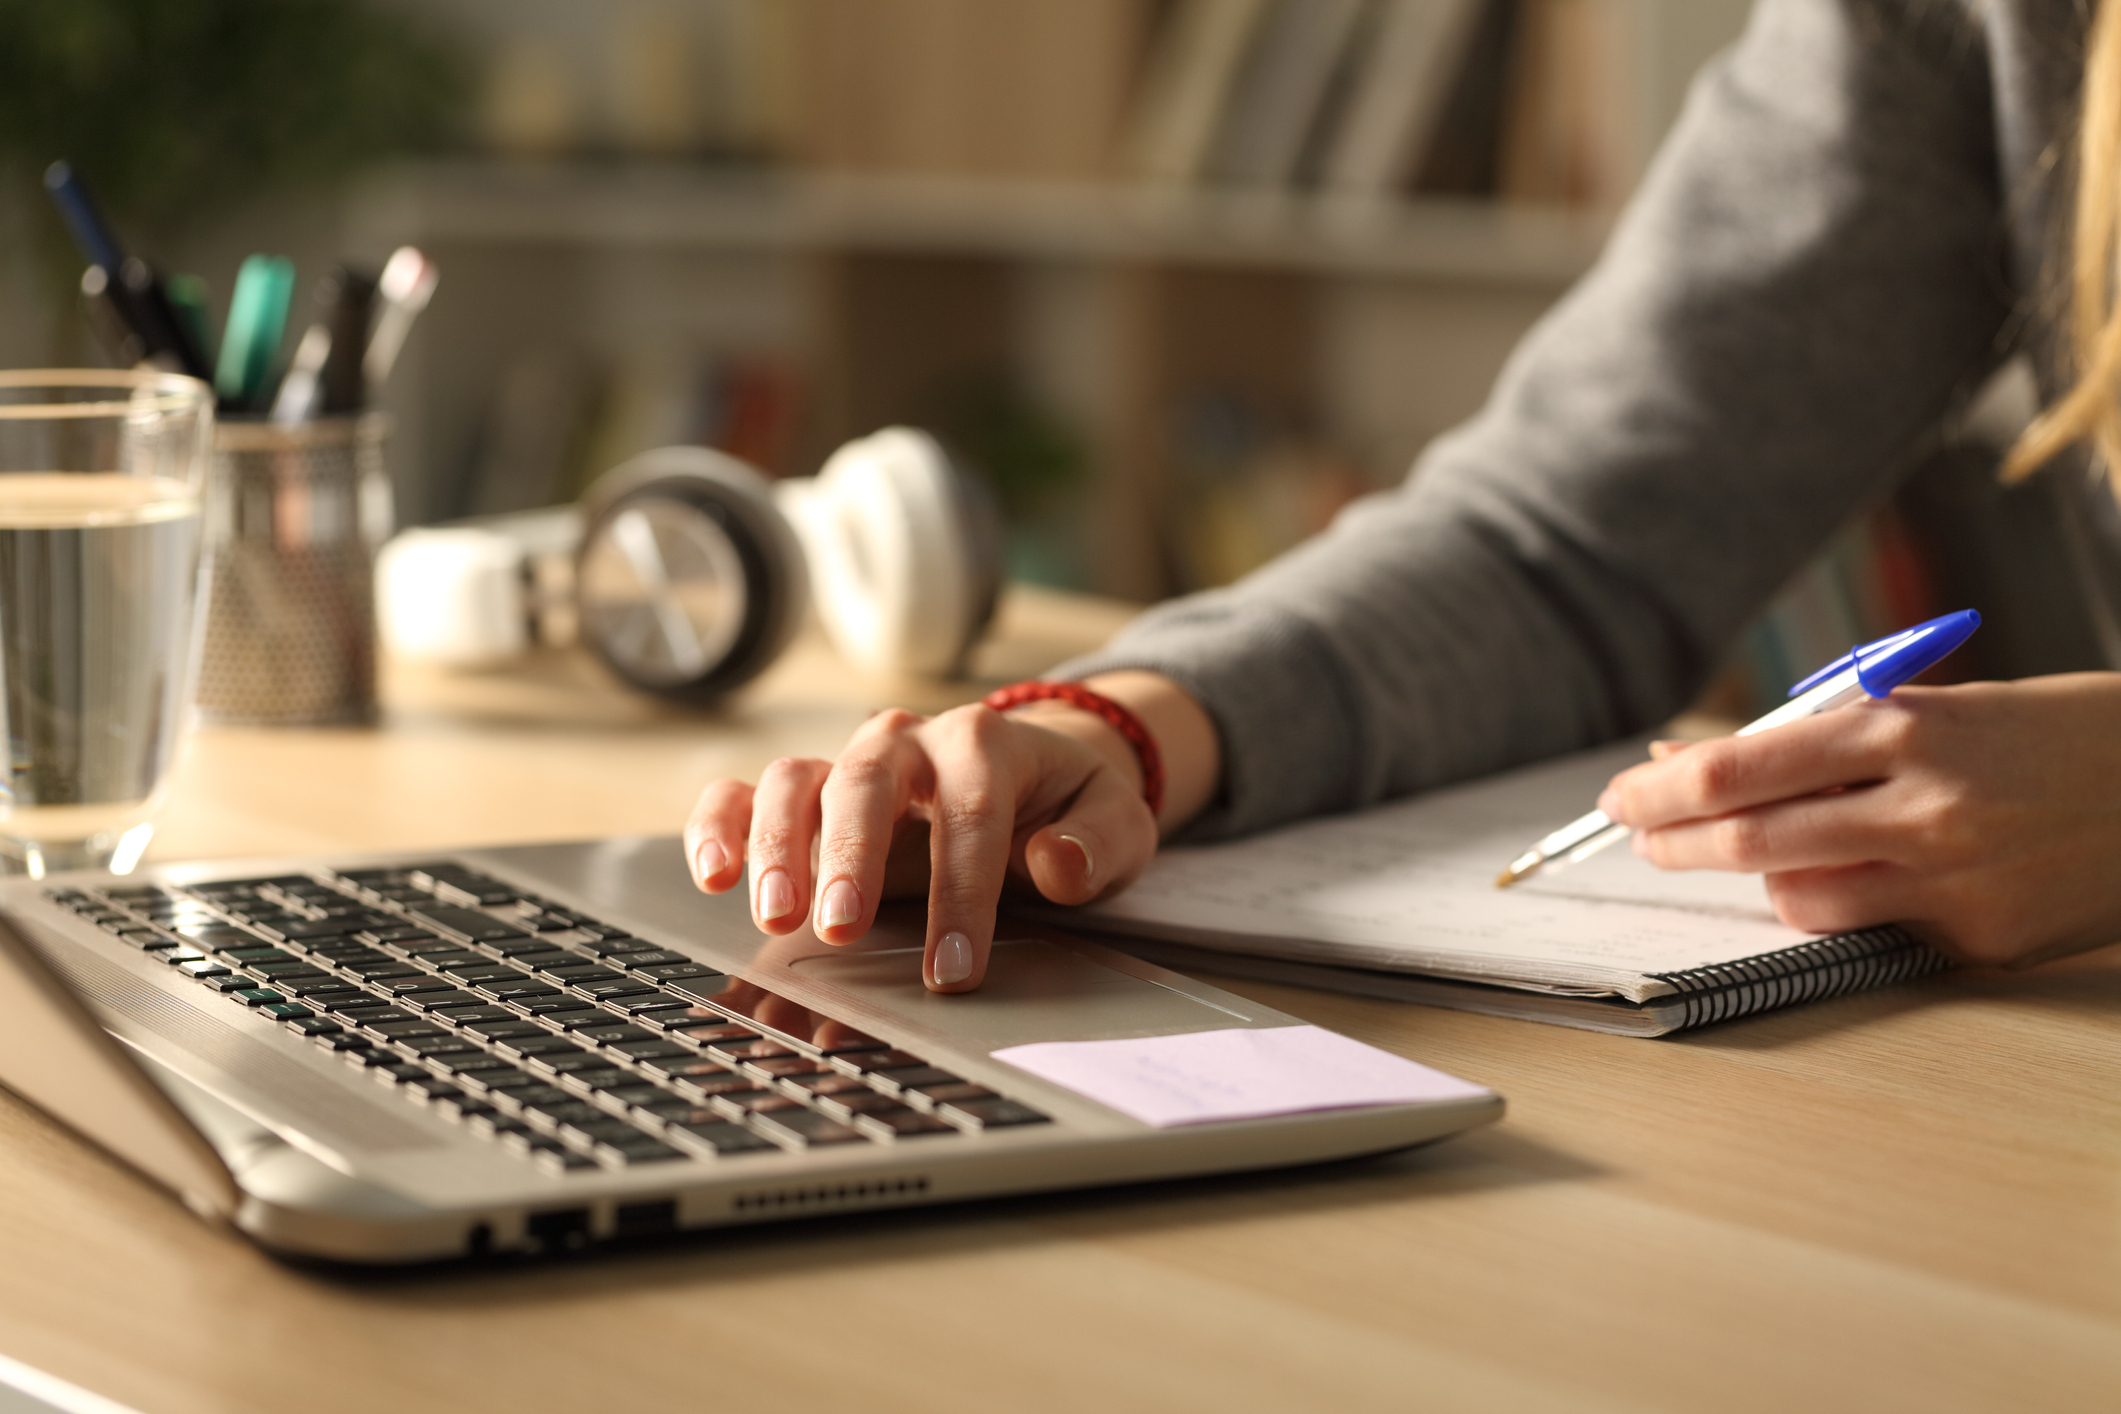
(1890, 661)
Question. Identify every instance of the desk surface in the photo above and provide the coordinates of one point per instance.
(1906, 1200)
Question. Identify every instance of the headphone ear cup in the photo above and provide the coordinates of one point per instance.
(904, 555)
(762, 555)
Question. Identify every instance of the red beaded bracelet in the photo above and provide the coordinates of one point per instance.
(1123, 721)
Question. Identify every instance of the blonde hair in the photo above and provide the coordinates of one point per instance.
(2091, 410)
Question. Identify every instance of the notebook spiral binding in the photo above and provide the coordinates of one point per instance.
(1823, 967)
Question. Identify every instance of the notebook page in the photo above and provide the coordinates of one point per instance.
(1411, 886)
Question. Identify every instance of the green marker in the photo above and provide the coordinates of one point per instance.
(257, 320)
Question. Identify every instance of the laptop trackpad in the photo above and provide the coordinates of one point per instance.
(1034, 991)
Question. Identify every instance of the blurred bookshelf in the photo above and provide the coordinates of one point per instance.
(686, 207)
(1180, 277)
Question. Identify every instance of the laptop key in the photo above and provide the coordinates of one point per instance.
(638, 1150)
(719, 1031)
(912, 1078)
(757, 1048)
(202, 968)
(484, 973)
(232, 983)
(314, 1025)
(428, 1086)
(640, 1050)
(259, 996)
(805, 1128)
(707, 1086)
(828, 1082)
(317, 991)
(526, 952)
(397, 932)
(401, 1024)
(658, 1008)
(466, 922)
(902, 1123)
(748, 1102)
(847, 1106)
(991, 1114)
(608, 1078)
(781, 1066)
(547, 1006)
(566, 1062)
(611, 990)
(503, 989)
(617, 949)
(865, 1061)
(388, 972)
(406, 986)
(676, 971)
(435, 1047)
(718, 1136)
(447, 1000)
(485, 1011)
(506, 1026)
(539, 1043)
(572, 1110)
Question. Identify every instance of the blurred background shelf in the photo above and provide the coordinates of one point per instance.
(687, 207)
(1178, 278)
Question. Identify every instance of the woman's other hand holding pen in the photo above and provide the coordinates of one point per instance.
(1986, 818)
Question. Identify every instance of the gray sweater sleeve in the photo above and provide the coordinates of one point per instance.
(1810, 273)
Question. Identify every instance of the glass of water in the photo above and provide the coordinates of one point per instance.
(102, 479)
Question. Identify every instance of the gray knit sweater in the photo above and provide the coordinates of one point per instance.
(1844, 235)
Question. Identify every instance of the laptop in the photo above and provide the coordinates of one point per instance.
(532, 1049)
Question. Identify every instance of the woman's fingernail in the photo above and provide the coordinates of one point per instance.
(953, 959)
(710, 861)
(776, 896)
(1089, 859)
(1608, 803)
(841, 905)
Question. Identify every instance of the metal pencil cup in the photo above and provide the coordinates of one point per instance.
(295, 516)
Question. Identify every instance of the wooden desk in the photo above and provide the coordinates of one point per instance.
(1909, 1200)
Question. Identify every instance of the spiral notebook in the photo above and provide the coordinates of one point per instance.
(1400, 901)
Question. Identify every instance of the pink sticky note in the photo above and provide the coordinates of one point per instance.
(1237, 1074)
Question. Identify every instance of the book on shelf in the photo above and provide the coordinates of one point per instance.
(1568, 141)
(1030, 89)
(1281, 89)
(1400, 901)
(1413, 53)
(1185, 87)
(1463, 155)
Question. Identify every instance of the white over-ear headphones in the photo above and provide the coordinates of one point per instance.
(690, 571)
(903, 549)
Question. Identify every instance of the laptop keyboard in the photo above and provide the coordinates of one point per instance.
(562, 1038)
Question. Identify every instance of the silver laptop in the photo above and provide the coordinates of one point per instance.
(396, 1059)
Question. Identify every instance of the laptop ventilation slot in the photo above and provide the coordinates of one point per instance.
(883, 1190)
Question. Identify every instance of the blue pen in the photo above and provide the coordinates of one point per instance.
(131, 286)
(1871, 670)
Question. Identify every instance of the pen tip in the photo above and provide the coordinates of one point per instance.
(1506, 878)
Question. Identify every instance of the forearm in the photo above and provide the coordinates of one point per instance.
(1788, 308)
